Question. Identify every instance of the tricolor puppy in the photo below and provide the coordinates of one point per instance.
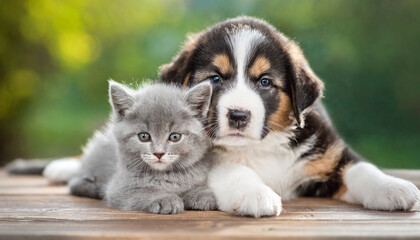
(272, 137)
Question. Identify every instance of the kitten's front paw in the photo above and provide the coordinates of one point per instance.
(202, 201)
(168, 205)
(394, 194)
(257, 202)
(85, 187)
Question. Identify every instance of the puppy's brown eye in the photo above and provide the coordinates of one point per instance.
(144, 137)
(174, 137)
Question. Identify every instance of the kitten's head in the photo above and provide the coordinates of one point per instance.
(159, 127)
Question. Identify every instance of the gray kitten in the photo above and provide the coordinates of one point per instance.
(152, 155)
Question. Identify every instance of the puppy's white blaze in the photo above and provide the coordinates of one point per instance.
(369, 186)
(62, 170)
(242, 43)
(241, 96)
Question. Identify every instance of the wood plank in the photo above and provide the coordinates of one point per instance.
(30, 208)
(206, 230)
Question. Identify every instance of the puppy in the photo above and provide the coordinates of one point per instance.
(271, 134)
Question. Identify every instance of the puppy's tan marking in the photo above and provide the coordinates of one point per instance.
(280, 119)
(186, 80)
(260, 65)
(340, 192)
(321, 166)
(222, 62)
(192, 41)
(343, 187)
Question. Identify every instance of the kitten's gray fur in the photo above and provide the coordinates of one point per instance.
(118, 167)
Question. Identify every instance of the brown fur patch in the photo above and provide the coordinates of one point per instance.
(186, 80)
(340, 192)
(260, 65)
(343, 188)
(280, 119)
(302, 65)
(326, 163)
(192, 41)
(306, 80)
(223, 63)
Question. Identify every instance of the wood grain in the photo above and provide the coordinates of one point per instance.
(31, 208)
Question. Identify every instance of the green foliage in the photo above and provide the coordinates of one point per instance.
(58, 55)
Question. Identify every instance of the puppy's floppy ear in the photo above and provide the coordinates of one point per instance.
(120, 97)
(177, 70)
(305, 86)
(199, 98)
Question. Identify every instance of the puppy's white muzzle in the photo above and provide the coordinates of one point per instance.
(241, 117)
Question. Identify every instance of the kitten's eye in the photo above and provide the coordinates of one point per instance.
(265, 82)
(216, 79)
(144, 137)
(174, 137)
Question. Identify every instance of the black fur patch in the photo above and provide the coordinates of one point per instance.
(328, 187)
(314, 125)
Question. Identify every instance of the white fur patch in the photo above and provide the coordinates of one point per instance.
(272, 160)
(369, 186)
(250, 180)
(62, 170)
(240, 191)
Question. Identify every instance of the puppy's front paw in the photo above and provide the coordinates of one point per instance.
(393, 194)
(167, 205)
(257, 202)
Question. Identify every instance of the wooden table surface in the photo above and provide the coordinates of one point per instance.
(30, 208)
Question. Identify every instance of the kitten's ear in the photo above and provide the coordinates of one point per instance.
(120, 97)
(199, 98)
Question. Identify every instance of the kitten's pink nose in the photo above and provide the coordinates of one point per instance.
(159, 155)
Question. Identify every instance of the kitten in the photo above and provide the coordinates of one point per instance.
(152, 155)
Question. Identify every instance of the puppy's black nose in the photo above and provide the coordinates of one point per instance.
(238, 119)
(159, 155)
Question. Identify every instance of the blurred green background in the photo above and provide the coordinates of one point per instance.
(56, 57)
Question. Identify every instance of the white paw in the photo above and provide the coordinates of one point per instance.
(62, 170)
(257, 202)
(393, 194)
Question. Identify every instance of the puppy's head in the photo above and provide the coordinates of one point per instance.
(261, 80)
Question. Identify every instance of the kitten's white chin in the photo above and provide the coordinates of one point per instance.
(159, 165)
(234, 141)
